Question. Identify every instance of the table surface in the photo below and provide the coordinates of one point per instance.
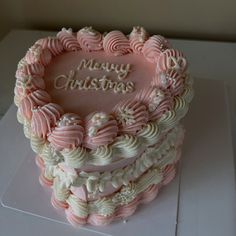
(208, 60)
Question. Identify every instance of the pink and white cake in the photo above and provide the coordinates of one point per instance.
(102, 112)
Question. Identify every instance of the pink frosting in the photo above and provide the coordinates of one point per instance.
(154, 46)
(131, 116)
(37, 54)
(30, 69)
(68, 40)
(157, 101)
(171, 80)
(90, 39)
(171, 59)
(137, 38)
(52, 43)
(169, 174)
(116, 43)
(33, 100)
(101, 129)
(44, 119)
(28, 84)
(68, 132)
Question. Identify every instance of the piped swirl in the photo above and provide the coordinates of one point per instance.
(90, 39)
(68, 40)
(116, 43)
(101, 129)
(45, 118)
(68, 132)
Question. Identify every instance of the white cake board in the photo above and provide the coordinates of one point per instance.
(206, 198)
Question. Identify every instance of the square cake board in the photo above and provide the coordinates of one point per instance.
(203, 168)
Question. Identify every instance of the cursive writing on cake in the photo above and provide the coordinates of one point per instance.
(72, 81)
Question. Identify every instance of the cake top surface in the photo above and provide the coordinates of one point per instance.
(100, 95)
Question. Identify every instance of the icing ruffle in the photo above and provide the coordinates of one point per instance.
(131, 116)
(171, 59)
(137, 38)
(154, 46)
(68, 132)
(38, 54)
(32, 101)
(45, 118)
(68, 40)
(116, 43)
(89, 39)
(52, 43)
(101, 129)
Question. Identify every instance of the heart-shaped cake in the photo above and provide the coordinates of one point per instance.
(102, 112)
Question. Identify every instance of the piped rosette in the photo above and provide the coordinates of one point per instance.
(52, 43)
(116, 43)
(68, 132)
(44, 119)
(137, 38)
(131, 116)
(157, 100)
(101, 129)
(90, 39)
(154, 46)
(68, 40)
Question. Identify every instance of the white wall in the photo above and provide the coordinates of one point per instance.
(204, 19)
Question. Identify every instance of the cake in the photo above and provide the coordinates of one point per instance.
(102, 113)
